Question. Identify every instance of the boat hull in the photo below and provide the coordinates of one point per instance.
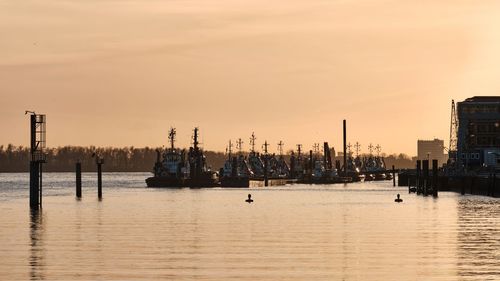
(164, 182)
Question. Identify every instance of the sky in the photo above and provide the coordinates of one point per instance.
(122, 72)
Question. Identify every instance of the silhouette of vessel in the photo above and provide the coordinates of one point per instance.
(177, 169)
(170, 167)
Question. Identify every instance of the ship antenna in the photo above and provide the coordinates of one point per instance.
(299, 150)
(370, 148)
(195, 138)
(252, 142)
(349, 146)
(171, 137)
(280, 148)
(357, 146)
(264, 146)
(239, 145)
(229, 150)
(378, 148)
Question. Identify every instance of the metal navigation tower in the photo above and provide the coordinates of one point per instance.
(37, 157)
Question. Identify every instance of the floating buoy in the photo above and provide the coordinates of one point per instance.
(398, 200)
(249, 200)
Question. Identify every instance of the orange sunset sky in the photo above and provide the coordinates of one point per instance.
(120, 73)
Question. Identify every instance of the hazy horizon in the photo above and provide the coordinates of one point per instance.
(121, 73)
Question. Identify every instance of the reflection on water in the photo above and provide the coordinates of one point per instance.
(479, 238)
(37, 249)
(296, 232)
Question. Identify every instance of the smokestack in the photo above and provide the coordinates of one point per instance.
(345, 150)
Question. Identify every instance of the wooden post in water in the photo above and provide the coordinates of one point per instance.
(99, 161)
(425, 168)
(418, 176)
(434, 177)
(393, 176)
(78, 180)
(99, 180)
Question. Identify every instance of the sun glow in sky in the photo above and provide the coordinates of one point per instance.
(120, 73)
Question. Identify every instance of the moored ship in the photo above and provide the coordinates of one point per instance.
(170, 167)
(181, 169)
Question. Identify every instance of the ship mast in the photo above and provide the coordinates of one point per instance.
(370, 148)
(299, 150)
(264, 147)
(230, 149)
(349, 152)
(280, 148)
(316, 148)
(357, 146)
(239, 145)
(195, 139)
(171, 137)
(378, 148)
(252, 142)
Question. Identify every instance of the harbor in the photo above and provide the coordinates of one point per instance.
(250, 140)
(176, 168)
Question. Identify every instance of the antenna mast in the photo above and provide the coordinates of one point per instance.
(252, 142)
(171, 137)
(280, 147)
(357, 146)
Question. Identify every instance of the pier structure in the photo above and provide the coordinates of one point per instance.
(37, 157)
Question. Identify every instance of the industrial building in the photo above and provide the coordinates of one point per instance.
(478, 134)
(431, 149)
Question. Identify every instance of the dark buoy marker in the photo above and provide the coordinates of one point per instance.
(398, 200)
(249, 200)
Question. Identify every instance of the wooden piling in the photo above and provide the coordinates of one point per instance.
(418, 179)
(78, 180)
(99, 180)
(434, 177)
(425, 168)
(393, 176)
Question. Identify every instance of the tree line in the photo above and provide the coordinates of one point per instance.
(125, 159)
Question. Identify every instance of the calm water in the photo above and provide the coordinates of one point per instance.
(300, 232)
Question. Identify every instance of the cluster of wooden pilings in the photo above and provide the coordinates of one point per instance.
(78, 179)
(425, 183)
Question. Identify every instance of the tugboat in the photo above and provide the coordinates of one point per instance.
(235, 172)
(199, 174)
(174, 170)
(354, 165)
(171, 170)
(322, 170)
(297, 164)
